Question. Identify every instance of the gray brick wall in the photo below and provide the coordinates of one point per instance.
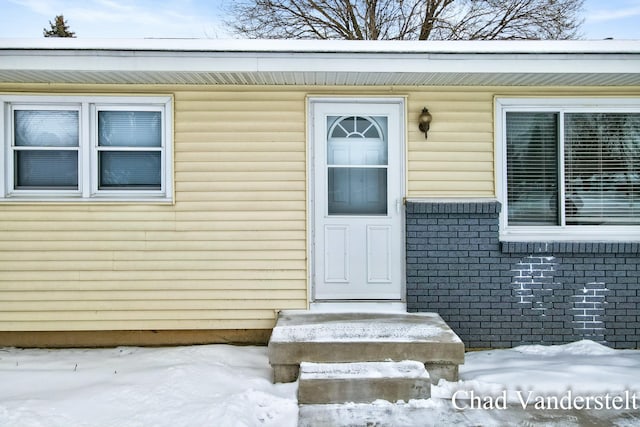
(503, 294)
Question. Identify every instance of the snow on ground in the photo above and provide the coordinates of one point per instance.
(585, 368)
(216, 385)
(227, 386)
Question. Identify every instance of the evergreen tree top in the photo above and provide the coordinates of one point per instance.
(59, 28)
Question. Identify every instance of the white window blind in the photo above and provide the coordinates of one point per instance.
(532, 168)
(602, 164)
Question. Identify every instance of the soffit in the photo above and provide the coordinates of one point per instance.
(321, 78)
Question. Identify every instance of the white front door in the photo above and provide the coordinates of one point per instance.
(357, 185)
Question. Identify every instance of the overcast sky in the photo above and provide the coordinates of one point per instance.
(619, 19)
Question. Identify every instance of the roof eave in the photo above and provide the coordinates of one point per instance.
(328, 46)
(320, 62)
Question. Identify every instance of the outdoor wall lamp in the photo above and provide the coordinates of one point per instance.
(424, 121)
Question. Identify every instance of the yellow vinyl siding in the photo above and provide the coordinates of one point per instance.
(456, 160)
(228, 254)
(232, 249)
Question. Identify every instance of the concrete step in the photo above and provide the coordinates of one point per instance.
(363, 337)
(362, 382)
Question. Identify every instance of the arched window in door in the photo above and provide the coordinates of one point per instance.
(357, 162)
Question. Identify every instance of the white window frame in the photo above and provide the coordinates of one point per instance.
(87, 107)
(591, 233)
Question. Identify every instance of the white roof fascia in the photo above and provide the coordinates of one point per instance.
(467, 63)
(304, 56)
(96, 61)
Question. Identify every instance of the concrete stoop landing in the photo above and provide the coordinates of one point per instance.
(362, 357)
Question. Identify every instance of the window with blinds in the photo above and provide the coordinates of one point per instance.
(129, 150)
(532, 168)
(572, 168)
(602, 168)
(86, 147)
(45, 149)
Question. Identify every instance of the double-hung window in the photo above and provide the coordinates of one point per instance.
(569, 169)
(44, 148)
(86, 148)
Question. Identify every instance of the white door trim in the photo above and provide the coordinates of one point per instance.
(312, 101)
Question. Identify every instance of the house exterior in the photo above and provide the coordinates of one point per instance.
(185, 191)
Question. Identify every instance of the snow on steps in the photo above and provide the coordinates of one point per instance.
(362, 382)
(301, 336)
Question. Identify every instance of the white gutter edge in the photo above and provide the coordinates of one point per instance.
(328, 46)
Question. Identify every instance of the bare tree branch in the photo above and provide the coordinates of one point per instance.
(407, 19)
